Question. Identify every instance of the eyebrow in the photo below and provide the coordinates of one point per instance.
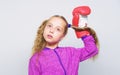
(52, 24)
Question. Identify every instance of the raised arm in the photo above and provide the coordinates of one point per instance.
(89, 50)
(90, 41)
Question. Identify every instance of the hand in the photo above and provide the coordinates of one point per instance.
(80, 32)
(81, 10)
(79, 28)
(84, 11)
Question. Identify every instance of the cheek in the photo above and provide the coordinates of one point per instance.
(59, 36)
(45, 32)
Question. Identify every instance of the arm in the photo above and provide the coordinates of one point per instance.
(33, 68)
(90, 40)
(89, 50)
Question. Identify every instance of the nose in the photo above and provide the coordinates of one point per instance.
(52, 30)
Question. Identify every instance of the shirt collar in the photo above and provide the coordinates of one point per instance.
(46, 48)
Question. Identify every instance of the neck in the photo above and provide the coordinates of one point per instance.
(51, 46)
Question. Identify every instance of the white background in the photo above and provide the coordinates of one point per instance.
(20, 19)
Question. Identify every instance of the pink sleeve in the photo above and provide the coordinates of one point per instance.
(33, 69)
(89, 50)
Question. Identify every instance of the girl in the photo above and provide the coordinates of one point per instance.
(50, 59)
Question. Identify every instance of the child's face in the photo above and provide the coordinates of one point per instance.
(54, 30)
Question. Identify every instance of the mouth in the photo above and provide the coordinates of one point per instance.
(49, 36)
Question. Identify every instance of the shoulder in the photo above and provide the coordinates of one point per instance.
(34, 57)
(67, 48)
(87, 38)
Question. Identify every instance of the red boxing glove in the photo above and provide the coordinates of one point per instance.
(81, 10)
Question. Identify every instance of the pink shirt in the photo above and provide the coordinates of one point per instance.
(61, 60)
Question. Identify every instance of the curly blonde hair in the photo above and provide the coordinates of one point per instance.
(40, 42)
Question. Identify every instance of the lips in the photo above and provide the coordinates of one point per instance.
(49, 36)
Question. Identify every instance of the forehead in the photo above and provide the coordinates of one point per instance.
(57, 21)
